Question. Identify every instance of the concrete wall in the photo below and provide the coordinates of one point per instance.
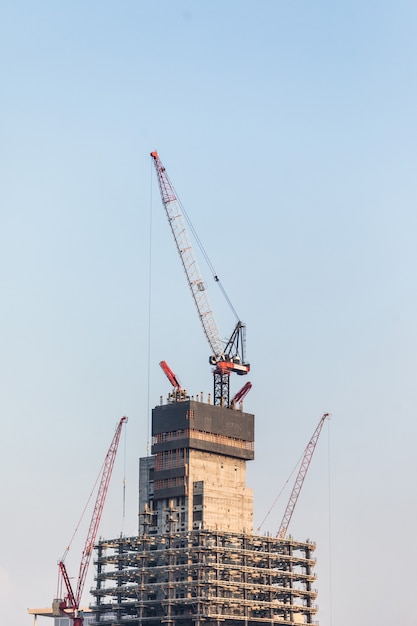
(227, 504)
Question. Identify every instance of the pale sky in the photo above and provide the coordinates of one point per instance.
(289, 131)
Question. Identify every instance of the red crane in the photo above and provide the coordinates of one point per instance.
(307, 456)
(240, 395)
(70, 605)
(226, 358)
(178, 394)
(171, 376)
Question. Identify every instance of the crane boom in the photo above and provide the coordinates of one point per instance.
(197, 286)
(71, 604)
(241, 394)
(170, 375)
(228, 357)
(307, 456)
(98, 509)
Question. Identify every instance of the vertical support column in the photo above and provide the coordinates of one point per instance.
(270, 581)
(119, 580)
(291, 582)
(170, 585)
(308, 585)
(99, 580)
(245, 578)
(221, 388)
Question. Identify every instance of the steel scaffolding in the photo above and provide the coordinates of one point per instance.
(209, 577)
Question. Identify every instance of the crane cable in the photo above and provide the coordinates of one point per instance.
(330, 524)
(124, 478)
(280, 493)
(82, 514)
(148, 412)
(205, 255)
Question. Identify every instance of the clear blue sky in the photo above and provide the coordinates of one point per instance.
(289, 131)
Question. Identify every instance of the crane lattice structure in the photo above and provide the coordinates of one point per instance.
(70, 605)
(305, 463)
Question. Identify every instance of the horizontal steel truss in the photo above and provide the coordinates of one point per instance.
(204, 576)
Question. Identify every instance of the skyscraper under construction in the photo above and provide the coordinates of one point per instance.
(196, 559)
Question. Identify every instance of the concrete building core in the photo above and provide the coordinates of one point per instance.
(196, 476)
(196, 559)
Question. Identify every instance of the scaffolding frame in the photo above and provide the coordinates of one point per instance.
(211, 577)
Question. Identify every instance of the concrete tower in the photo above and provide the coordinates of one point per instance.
(196, 477)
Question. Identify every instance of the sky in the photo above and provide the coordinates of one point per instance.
(289, 132)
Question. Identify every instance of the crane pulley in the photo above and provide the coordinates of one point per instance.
(70, 605)
(226, 358)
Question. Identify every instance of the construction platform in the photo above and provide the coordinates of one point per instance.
(204, 577)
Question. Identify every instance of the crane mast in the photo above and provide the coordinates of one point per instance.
(71, 603)
(225, 359)
(307, 456)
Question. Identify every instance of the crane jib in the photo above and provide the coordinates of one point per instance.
(189, 262)
(228, 357)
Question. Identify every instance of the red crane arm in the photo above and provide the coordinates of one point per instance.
(98, 510)
(307, 456)
(241, 394)
(170, 375)
(70, 602)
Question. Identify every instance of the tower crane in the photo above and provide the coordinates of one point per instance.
(307, 456)
(226, 358)
(70, 605)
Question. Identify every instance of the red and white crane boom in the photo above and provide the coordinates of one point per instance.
(71, 603)
(225, 358)
(307, 456)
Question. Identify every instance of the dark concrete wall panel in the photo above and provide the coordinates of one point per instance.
(204, 417)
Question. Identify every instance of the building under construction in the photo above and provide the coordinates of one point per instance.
(196, 559)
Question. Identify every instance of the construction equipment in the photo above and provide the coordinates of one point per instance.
(226, 358)
(178, 393)
(170, 375)
(70, 605)
(240, 395)
(307, 456)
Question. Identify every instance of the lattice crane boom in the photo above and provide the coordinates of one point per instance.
(195, 281)
(305, 463)
(71, 603)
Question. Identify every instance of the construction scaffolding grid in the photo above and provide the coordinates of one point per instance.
(203, 576)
